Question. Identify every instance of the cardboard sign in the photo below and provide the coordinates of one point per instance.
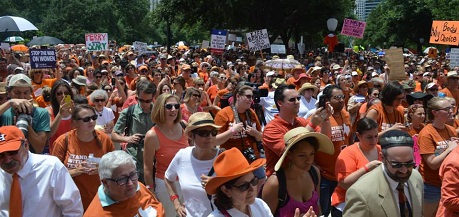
(205, 44)
(218, 41)
(278, 49)
(258, 40)
(444, 32)
(42, 58)
(454, 57)
(96, 41)
(140, 47)
(394, 59)
(354, 28)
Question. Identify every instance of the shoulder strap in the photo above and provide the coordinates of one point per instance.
(282, 190)
(129, 114)
(182, 124)
(314, 176)
(66, 143)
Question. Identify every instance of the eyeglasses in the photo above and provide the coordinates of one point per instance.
(108, 90)
(124, 180)
(99, 100)
(294, 99)
(377, 86)
(62, 93)
(246, 186)
(200, 85)
(309, 89)
(205, 133)
(157, 75)
(8, 153)
(169, 106)
(129, 68)
(433, 89)
(87, 119)
(98, 76)
(338, 97)
(143, 71)
(398, 165)
(223, 78)
(248, 96)
(197, 95)
(450, 108)
(144, 100)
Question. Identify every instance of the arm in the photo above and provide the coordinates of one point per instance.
(434, 162)
(179, 207)
(64, 109)
(225, 136)
(66, 194)
(270, 193)
(216, 100)
(349, 180)
(449, 189)
(151, 144)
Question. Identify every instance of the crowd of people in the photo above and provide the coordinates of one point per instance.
(188, 133)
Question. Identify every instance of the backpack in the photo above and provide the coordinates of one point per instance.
(282, 191)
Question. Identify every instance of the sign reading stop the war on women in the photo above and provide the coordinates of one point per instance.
(42, 58)
(258, 40)
(218, 41)
(96, 41)
(354, 28)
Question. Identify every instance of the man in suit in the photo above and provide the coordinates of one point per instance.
(379, 193)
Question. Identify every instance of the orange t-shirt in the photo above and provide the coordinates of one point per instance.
(291, 80)
(454, 94)
(167, 150)
(41, 102)
(225, 118)
(349, 160)
(75, 152)
(37, 88)
(433, 141)
(386, 120)
(144, 203)
(340, 130)
(189, 82)
(204, 76)
(212, 92)
(413, 131)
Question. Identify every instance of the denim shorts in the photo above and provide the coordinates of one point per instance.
(431, 193)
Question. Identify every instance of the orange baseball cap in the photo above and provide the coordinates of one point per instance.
(11, 138)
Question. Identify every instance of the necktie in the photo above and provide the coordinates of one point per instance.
(405, 209)
(15, 198)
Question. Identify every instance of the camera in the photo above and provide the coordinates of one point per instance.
(257, 93)
(22, 122)
(249, 154)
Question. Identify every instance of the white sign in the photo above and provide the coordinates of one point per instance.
(231, 37)
(5, 46)
(96, 41)
(278, 49)
(258, 40)
(218, 41)
(140, 47)
(454, 57)
(205, 44)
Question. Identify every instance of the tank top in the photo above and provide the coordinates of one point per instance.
(289, 208)
(167, 150)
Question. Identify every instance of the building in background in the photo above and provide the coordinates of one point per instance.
(364, 7)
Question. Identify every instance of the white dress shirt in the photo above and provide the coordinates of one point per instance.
(46, 186)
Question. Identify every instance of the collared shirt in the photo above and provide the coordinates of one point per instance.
(141, 121)
(393, 186)
(46, 186)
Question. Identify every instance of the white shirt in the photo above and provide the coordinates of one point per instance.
(269, 106)
(105, 116)
(259, 208)
(46, 186)
(189, 169)
(306, 106)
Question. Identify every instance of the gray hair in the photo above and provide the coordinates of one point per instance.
(97, 93)
(112, 160)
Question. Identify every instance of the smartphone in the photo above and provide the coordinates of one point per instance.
(113, 82)
(322, 102)
(67, 99)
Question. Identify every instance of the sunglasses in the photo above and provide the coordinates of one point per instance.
(99, 100)
(124, 180)
(197, 95)
(338, 97)
(8, 153)
(397, 165)
(169, 106)
(433, 89)
(377, 86)
(205, 133)
(144, 100)
(294, 99)
(62, 93)
(87, 119)
(248, 96)
(246, 186)
(98, 77)
(143, 71)
(223, 78)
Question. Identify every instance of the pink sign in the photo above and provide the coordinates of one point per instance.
(354, 28)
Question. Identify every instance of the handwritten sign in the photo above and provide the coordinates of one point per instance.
(140, 47)
(42, 58)
(96, 41)
(444, 32)
(218, 41)
(258, 40)
(454, 57)
(354, 28)
(394, 59)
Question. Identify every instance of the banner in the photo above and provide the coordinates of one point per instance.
(96, 41)
(354, 28)
(42, 58)
(258, 40)
(444, 32)
(218, 41)
(454, 57)
(394, 59)
(140, 47)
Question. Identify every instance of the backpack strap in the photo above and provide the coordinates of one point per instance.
(282, 196)
(315, 177)
(129, 114)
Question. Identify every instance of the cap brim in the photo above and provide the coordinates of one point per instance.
(215, 182)
(325, 146)
(10, 146)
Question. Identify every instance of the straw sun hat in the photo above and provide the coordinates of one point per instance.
(200, 119)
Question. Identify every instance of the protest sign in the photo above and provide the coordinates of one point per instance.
(444, 32)
(218, 41)
(205, 44)
(394, 59)
(42, 58)
(96, 41)
(454, 57)
(140, 47)
(278, 49)
(5, 46)
(231, 37)
(354, 28)
(258, 40)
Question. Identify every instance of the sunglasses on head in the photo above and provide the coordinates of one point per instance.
(294, 99)
(169, 106)
(62, 93)
(99, 100)
(205, 133)
(87, 119)
(245, 186)
(143, 100)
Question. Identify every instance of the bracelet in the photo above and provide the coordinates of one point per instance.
(173, 197)
(312, 125)
(366, 168)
